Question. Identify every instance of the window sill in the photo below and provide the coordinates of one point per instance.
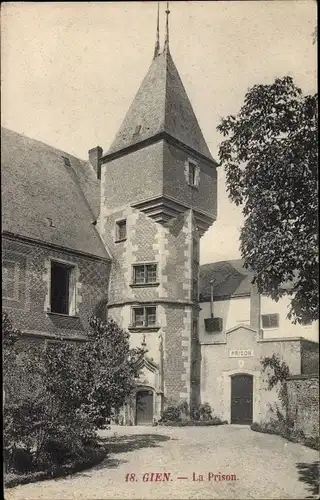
(121, 241)
(133, 328)
(61, 314)
(143, 285)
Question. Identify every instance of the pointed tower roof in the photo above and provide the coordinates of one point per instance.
(161, 105)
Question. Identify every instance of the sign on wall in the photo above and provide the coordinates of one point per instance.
(241, 353)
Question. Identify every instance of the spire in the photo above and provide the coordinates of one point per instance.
(161, 105)
(157, 45)
(166, 40)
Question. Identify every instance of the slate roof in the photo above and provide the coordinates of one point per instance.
(37, 186)
(229, 277)
(161, 105)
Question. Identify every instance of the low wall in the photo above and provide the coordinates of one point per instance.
(303, 394)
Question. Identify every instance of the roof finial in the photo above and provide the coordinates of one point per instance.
(157, 46)
(166, 41)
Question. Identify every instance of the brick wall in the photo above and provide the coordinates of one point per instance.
(134, 177)
(303, 392)
(175, 185)
(29, 311)
(171, 247)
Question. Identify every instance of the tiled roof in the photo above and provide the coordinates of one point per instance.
(229, 278)
(39, 186)
(161, 105)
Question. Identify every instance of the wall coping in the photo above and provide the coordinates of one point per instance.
(304, 376)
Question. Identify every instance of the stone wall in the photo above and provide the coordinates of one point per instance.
(303, 393)
(29, 309)
(309, 357)
(218, 366)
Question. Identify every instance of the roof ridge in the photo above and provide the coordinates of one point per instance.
(42, 142)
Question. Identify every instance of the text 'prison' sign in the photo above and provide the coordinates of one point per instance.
(241, 353)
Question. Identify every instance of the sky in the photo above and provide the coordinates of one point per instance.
(70, 71)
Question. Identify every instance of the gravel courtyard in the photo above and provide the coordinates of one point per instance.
(253, 465)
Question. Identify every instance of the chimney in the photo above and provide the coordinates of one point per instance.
(255, 307)
(94, 156)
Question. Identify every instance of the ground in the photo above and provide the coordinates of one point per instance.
(265, 467)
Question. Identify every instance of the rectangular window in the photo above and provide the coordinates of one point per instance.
(270, 320)
(195, 329)
(213, 325)
(9, 280)
(144, 274)
(61, 288)
(195, 250)
(121, 230)
(144, 316)
(150, 316)
(195, 290)
(192, 173)
(138, 316)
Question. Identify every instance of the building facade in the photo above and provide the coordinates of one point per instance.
(119, 236)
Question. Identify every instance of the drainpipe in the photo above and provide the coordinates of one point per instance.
(211, 301)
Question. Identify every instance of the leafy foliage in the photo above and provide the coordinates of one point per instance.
(57, 394)
(278, 376)
(278, 427)
(270, 157)
(180, 412)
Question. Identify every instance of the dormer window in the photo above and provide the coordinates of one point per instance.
(66, 161)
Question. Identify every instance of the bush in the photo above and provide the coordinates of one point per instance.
(202, 412)
(278, 428)
(92, 455)
(195, 423)
(178, 413)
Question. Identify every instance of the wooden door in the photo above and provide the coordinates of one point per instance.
(241, 399)
(144, 407)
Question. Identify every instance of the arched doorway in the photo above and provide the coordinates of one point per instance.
(144, 407)
(241, 399)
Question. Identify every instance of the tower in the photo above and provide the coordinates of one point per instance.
(159, 195)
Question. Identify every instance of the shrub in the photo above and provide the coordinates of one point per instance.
(171, 414)
(195, 423)
(202, 412)
(277, 427)
(58, 394)
(179, 412)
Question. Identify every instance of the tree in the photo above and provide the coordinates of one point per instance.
(270, 157)
(58, 394)
(108, 369)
